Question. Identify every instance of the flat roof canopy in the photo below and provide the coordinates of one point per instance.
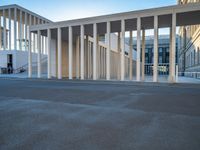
(188, 14)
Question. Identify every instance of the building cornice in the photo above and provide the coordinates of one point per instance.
(121, 16)
(12, 6)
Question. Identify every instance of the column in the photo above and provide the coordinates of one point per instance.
(4, 29)
(131, 56)
(25, 22)
(59, 54)
(9, 16)
(173, 49)
(118, 56)
(29, 57)
(155, 55)
(108, 52)
(143, 54)
(138, 49)
(88, 57)
(95, 51)
(70, 52)
(86, 54)
(20, 30)
(39, 53)
(122, 49)
(82, 52)
(15, 28)
(77, 56)
(49, 53)
(34, 39)
(30, 23)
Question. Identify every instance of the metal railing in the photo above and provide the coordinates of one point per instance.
(190, 74)
(25, 67)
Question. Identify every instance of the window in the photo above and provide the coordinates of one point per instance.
(146, 60)
(160, 49)
(167, 49)
(160, 59)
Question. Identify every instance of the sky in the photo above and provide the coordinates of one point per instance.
(59, 10)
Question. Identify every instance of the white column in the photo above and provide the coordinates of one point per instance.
(77, 56)
(59, 54)
(20, 31)
(118, 55)
(131, 55)
(30, 22)
(29, 57)
(82, 52)
(155, 57)
(25, 22)
(34, 36)
(108, 52)
(15, 29)
(39, 53)
(143, 54)
(4, 29)
(122, 49)
(70, 52)
(42, 45)
(49, 53)
(170, 47)
(138, 48)
(173, 49)
(95, 51)
(9, 16)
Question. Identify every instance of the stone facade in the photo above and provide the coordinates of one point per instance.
(189, 50)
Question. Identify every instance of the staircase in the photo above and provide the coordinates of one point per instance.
(24, 68)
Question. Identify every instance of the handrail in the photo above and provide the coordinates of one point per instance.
(24, 67)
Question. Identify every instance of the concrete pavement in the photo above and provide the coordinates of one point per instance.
(88, 115)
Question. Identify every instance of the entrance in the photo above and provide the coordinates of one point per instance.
(10, 63)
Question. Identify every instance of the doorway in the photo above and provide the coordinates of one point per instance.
(10, 63)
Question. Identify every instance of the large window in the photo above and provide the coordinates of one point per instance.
(167, 49)
(160, 59)
(160, 49)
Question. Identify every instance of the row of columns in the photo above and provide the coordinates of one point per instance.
(108, 49)
(23, 27)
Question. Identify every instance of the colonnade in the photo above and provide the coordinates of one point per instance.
(107, 61)
(15, 29)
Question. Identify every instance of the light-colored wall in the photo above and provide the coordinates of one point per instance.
(20, 58)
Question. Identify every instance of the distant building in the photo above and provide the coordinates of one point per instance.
(189, 52)
(14, 37)
(163, 53)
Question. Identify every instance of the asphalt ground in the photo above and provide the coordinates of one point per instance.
(98, 115)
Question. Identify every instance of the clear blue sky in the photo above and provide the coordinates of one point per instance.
(59, 10)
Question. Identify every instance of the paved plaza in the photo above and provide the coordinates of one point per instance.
(98, 115)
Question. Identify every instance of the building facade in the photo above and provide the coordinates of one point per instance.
(14, 36)
(163, 54)
(189, 50)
